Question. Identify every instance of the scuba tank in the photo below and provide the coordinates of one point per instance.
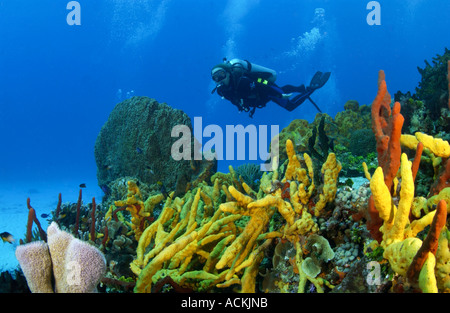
(245, 67)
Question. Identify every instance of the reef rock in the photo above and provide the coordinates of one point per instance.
(136, 141)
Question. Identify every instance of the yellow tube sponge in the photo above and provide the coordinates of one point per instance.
(194, 207)
(427, 278)
(437, 146)
(302, 225)
(260, 213)
(443, 261)
(136, 207)
(382, 198)
(366, 171)
(144, 282)
(246, 239)
(404, 205)
(444, 194)
(248, 280)
(395, 219)
(417, 226)
(241, 199)
(330, 171)
(401, 254)
(294, 163)
(309, 165)
(152, 201)
(409, 141)
(215, 253)
(283, 207)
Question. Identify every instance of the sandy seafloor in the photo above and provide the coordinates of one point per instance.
(44, 198)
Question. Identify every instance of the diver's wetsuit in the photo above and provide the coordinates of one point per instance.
(250, 93)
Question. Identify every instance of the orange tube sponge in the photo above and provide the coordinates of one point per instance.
(387, 126)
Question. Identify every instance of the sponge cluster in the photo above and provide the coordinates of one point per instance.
(76, 266)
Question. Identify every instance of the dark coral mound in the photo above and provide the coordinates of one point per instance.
(427, 110)
(136, 142)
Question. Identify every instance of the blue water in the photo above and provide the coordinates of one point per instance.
(59, 83)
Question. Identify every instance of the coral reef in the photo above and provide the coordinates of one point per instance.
(301, 227)
(433, 87)
(352, 126)
(428, 110)
(13, 282)
(348, 135)
(249, 173)
(408, 255)
(198, 242)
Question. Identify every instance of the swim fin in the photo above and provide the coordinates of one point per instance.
(319, 79)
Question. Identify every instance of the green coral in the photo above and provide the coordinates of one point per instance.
(362, 142)
(433, 86)
(352, 164)
(250, 173)
(427, 110)
(319, 140)
(353, 118)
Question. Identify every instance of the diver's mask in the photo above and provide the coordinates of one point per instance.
(218, 75)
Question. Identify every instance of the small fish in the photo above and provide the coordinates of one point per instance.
(105, 189)
(139, 150)
(7, 237)
(44, 215)
(149, 169)
(83, 185)
(108, 167)
(163, 189)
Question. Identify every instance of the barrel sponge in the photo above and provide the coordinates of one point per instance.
(85, 267)
(58, 243)
(34, 259)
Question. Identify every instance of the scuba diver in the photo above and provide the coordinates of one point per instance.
(249, 86)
